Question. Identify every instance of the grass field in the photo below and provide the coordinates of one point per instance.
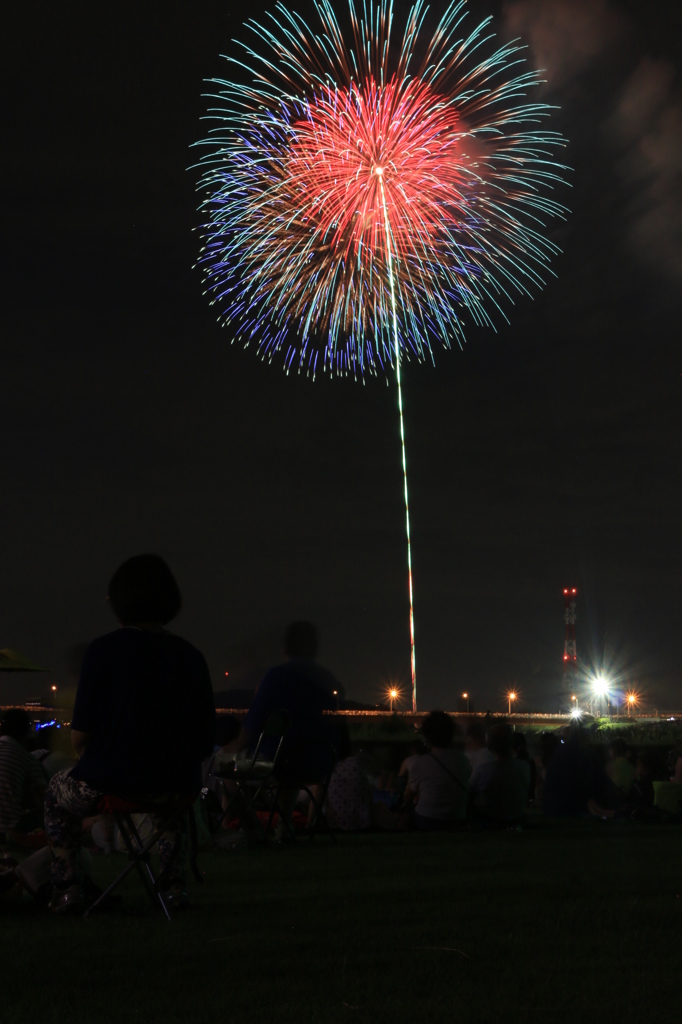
(561, 922)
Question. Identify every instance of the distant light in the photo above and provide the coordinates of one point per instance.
(575, 713)
(53, 687)
(335, 692)
(465, 695)
(227, 673)
(393, 694)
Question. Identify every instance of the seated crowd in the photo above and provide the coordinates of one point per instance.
(144, 728)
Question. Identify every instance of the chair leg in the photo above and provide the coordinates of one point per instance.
(140, 852)
(194, 846)
(110, 888)
(133, 864)
(276, 808)
(320, 818)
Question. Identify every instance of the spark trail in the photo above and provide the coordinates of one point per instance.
(387, 227)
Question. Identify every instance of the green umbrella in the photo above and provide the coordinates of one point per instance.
(12, 661)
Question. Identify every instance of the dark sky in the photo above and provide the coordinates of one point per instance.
(543, 455)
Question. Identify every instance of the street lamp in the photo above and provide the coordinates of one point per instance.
(510, 697)
(465, 696)
(632, 701)
(393, 695)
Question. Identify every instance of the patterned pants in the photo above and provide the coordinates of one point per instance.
(68, 801)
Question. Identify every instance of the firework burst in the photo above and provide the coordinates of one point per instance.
(295, 252)
(363, 200)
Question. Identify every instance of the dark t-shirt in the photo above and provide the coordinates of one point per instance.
(574, 777)
(145, 699)
(499, 789)
(304, 689)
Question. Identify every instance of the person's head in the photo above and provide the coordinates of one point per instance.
(143, 591)
(646, 763)
(575, 734)
(499, 740)
(619, 748)
(548, 742)
(474, 736)
(300, 640)
(519, 746)
(438, 730)
(15, 723)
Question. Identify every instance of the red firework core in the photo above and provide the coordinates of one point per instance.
(403, 133)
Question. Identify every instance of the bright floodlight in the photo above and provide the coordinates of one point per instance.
(576, 712)
(600, 686)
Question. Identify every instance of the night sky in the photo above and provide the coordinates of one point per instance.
(546, 454)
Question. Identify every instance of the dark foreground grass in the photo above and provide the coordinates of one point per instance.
(570, 922)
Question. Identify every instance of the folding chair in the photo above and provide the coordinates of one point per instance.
(253, 776)
(139, 851)
(317, 751)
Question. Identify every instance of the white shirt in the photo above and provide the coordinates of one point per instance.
(479, 757)
(439, 794)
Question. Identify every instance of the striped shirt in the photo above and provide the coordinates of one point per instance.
(20, 776)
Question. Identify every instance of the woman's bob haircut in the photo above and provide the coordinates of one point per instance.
(143, 591)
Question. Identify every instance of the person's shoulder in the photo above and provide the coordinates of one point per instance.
(276, 674)
(484, 769)
(107, 641)
(16, 754)
(9, 743)
(181, 644)
(323, 677)
(423, 765)
(459, 761)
